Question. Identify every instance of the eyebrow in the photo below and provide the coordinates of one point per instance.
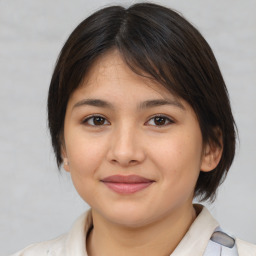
(143, 105)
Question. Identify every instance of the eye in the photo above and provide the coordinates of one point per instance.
(95, 121)
(160, 120)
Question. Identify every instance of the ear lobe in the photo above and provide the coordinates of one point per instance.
(211, 157)
(65, 159)
(66, 164)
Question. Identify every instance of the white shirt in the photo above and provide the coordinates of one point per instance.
(194, 243)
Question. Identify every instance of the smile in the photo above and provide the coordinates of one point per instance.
(126, 184)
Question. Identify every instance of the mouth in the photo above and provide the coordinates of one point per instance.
(127, 184)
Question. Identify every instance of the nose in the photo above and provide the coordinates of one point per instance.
(126, 147)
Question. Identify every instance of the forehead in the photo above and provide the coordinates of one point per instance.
(110, 72)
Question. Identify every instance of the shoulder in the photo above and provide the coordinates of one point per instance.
(43, 248)
(245, 248)
(72, 243)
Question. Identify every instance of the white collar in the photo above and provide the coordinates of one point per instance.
(198, 235)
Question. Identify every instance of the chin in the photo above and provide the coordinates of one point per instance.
(132, 222)
(129, 217)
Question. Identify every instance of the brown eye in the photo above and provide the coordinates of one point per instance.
(95, 121)
(160, 121)
(98, 120)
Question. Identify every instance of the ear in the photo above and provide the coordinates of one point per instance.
(65, 158)
(212, 154)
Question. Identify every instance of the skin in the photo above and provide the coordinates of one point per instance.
(129, 141)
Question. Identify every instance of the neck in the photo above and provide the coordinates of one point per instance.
(158, 238)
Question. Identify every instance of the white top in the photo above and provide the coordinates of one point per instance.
(193, 243)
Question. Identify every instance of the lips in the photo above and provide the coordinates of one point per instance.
(126, 184)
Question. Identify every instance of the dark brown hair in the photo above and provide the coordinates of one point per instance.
(157, 41)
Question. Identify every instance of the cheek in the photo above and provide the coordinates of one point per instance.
(84, 154)
(179, 159)
(85, 158)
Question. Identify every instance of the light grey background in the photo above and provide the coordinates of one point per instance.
(37, 203)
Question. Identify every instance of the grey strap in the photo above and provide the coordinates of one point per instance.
(223, 239)
(221, 244)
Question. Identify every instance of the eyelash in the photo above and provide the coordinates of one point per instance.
(169, 120)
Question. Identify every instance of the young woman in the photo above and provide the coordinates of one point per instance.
(139, 115)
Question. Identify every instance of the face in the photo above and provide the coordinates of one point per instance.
(134, 151)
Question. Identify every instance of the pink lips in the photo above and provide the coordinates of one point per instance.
(126, 184)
